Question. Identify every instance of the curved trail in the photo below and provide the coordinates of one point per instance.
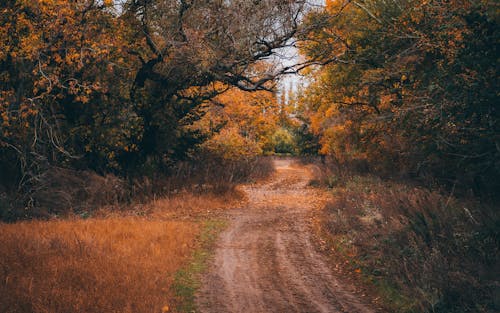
(265, 261)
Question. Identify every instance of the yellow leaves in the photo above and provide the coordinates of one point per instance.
(82, 99)
(5, 119)
(57, 58)
(331, 111)
(130, 148)
(231, 145)
(249, 120)
(386, 101)
(48, 2)
(31, 42)
(72, 56)
(333, 6)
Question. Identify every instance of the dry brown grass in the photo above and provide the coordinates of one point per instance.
(116, 261)
(124, 256)
(95, 265)
(184, 205)
(60, 192)
(425, 251)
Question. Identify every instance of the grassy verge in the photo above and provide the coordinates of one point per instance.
(422, 251)
(111, 261)
(93, 265)
(187, 279)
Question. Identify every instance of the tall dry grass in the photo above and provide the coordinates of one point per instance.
(215, 174)
(95, 265)
(115, 246)
(60, 191)
(109, 259)
(180, 206)
(424, 251)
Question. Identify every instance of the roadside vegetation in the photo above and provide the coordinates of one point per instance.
(109, 101)
(406, 120)
(116, 261)
(126, 126)
(422, 250)
(96, 265)
(414, 91)
(187, 280)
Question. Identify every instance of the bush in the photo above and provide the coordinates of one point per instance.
(211, 172)
(60, 191)
(283, 142)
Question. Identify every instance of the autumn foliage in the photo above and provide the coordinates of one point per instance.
(116, 87)
(107, 104)
(410, 89)
(405, 111)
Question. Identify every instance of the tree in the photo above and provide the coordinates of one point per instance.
(112, 86)
(60, 102)
(188, 48)
(412, 87)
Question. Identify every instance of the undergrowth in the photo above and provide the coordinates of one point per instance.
(423, 251)
(60, 192)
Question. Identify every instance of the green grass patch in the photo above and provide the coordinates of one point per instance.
(188, 279)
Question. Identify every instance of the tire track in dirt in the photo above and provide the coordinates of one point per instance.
(265, 261)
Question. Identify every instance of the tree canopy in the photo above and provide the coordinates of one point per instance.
(111, 86)
(407, 87)
(411, 88)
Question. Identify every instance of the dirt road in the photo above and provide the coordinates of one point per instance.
(266, 260)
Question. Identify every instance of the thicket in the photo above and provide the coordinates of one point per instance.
(407, 96)
(408, 89)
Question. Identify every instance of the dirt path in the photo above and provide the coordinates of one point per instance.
(266, 262)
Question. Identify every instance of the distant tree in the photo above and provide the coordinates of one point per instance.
(284, 141)
(255, 115)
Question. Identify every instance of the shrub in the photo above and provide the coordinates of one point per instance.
(283, 141)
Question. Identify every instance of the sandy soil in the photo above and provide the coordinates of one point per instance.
(266, 260)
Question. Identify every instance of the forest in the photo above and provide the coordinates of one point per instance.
(154, 113)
